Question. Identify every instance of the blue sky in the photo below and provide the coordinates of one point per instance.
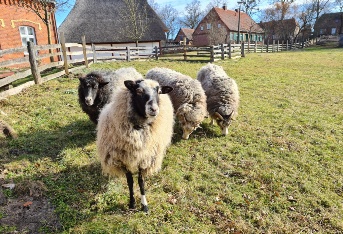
(177, 4)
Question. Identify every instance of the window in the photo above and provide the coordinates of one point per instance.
(208, 26)
(27, 34)
(201, 28)
(322, 31)
(333, 31)
(219, 25)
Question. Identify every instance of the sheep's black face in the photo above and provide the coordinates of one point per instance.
(145, 96)
(90, 86)
(223, 121)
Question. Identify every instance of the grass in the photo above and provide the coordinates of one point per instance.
(278, 171)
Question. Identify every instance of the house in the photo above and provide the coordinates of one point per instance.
(220, 25)
(185, 33)
(329, 24)
(282, 30)
(19, 24)
(109, 23)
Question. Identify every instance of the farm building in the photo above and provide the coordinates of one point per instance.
(329, 24)
(19, 24)
(109, 23)
(185, 33)
(287, 29)
(220, 25)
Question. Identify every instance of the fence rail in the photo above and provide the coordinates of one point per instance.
(70, 53)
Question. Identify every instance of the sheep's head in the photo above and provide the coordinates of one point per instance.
(145, 96)
(90, 85)
(223, 120)
(190, 118)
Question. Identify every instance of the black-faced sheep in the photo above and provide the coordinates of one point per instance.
(222, 95)
(188, 97)
(7, 130)
(95, 90)
(134, 131)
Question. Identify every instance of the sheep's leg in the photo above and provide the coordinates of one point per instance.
(129, 179)
(141, 187)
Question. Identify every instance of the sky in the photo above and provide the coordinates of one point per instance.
(179, 5)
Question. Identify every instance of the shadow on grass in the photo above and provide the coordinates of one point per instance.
(47, 143)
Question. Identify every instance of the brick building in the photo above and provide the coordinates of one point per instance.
(19, 24)
(221, 26)
(185, 33)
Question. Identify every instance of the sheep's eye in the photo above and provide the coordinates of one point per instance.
(139, 91)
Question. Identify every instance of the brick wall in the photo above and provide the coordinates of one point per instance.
(11, 18)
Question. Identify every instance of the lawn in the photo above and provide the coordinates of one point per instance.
(279, 170)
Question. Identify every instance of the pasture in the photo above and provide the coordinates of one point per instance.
(279, 170)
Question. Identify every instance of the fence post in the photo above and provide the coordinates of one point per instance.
(64, 52)
(33, 63)
(223, 51)
(156, 52)
(255, 47)
(242, 50)
(273, 46)
(230, 50)
(84, 50)
(286, 44)
(184, 52)
(212, 53)
(262, 46)
(267, 46)
(277, 46)
(95, 60)
(128, 58)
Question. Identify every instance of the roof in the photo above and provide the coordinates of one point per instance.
(101, 21)
(188, 32)
(230, 19)
(329, 19)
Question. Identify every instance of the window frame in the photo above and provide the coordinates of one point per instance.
(27, 36)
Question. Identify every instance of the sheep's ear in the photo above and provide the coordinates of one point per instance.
(218, 116)
(166, 89)
(130, 84)
(103, 83)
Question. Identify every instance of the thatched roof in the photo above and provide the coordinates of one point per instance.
(102, 21)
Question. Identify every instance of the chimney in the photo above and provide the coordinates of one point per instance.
(224, 6)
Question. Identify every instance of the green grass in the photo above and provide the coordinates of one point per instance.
(278, 171)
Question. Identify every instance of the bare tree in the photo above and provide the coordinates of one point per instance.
(193, 14)
(169, 16)
(135, 17)
(319, 6)
(215, 3)
(250, 6)
(339, 5)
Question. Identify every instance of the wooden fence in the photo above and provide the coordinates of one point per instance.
(72, 53)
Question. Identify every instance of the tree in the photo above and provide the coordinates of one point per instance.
(250, 6)
(339, 5)
(135, 17)
(169, 16)
(193, 14)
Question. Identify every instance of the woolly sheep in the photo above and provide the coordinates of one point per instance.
(222, 95)
(134, 131)
(7, 130)
(95, 90)
(188, 97)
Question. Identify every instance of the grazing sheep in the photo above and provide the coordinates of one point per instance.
(188, 97)
(7, 130)
(134, 131)
(95, 90)
(222, 95)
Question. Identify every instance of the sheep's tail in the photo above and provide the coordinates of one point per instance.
(7, 130)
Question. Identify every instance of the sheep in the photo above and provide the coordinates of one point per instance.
(188, 97)
(222, 95)
(7, 130)
(95, 90)
(134, 131)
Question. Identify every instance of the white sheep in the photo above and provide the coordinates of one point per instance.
(222, 95)
(188, 97)
(134, 131)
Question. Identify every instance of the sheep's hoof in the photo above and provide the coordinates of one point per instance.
(132, 205)
(145, 208)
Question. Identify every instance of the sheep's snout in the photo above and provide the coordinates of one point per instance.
(89, 101)
(151, 108)
(225, 131)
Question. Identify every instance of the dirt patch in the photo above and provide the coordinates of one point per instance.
(28, 214)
